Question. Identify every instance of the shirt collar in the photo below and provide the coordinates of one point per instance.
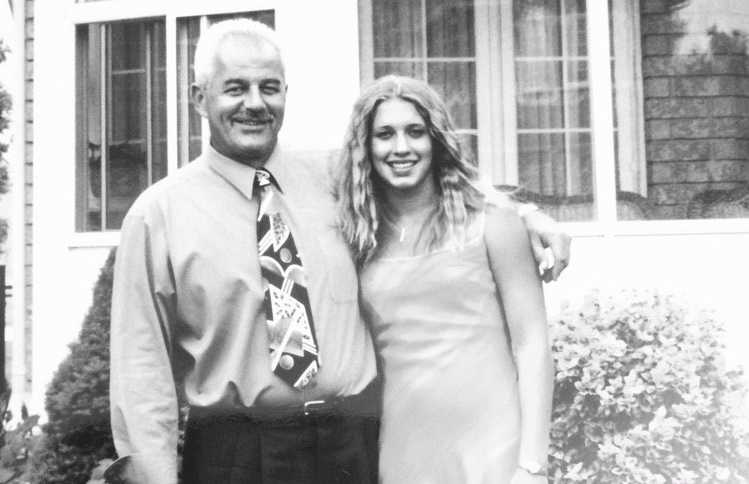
(241, 176)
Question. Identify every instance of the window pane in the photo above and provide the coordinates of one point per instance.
(541, 163)
(575, 27)
(537, 28)
(563, 190)
(189, 122)
(158, 103)
(455, 83)
(88, 166)
(188, 128)
(128, 102)
(397, 27)
(127, 40)
(577, 95)
(449, 28)
(127, 157)
(539, 96)
(580, 166)
(695, 80)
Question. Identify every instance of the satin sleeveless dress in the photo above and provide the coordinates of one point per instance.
(450, 404)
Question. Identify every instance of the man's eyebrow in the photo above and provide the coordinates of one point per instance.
(235, 81)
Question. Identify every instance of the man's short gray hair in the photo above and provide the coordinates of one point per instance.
(208, 44)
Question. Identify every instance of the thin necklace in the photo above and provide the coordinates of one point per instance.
(401, 230)
(397, 228)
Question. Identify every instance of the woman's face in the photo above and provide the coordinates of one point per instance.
(401, 148)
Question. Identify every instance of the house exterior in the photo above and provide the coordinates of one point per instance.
(627, 120)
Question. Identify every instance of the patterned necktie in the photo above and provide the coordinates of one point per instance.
(291, 332)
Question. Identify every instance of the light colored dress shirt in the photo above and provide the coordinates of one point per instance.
(187, 302)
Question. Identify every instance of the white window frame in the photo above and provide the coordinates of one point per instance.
(106, 11)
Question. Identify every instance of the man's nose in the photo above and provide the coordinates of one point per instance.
(253, 99)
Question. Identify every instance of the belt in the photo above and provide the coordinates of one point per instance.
(363, 404)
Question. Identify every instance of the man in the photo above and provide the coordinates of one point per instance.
(233, 285)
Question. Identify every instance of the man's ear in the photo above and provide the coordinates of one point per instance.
(197, 93)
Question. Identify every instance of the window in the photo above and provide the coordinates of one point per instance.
(122, 111)
(121, 118)
(519, 86)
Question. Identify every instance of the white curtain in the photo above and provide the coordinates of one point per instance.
(553, 111)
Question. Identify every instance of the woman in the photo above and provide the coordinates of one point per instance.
(450, 289)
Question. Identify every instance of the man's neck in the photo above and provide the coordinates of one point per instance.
(255, 160)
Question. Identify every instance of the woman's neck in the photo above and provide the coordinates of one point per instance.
(403, 206)
(406, 216)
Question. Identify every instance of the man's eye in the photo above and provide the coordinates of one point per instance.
(270, 88)
(234, 90)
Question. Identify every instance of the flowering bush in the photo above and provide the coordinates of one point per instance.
(643, 396)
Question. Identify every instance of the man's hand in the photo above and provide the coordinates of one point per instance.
(544, 234)
(523, 477)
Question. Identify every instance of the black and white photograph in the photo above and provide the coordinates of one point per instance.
(374, 242)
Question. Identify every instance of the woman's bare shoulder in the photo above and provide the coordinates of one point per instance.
(504, 230)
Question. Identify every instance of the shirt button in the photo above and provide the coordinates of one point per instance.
(286, 362)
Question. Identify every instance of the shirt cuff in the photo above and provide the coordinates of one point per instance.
(141, 469)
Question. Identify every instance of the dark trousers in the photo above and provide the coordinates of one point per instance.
(326, 447)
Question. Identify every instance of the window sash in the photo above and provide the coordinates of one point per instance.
(98, 121)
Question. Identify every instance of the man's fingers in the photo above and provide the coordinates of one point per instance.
(560, 248)
(538, 249)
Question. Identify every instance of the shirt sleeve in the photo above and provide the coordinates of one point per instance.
(144, 408)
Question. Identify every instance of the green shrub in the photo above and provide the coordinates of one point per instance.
(643, 396)
(78, 433)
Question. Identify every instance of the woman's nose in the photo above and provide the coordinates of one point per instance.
(401, 144)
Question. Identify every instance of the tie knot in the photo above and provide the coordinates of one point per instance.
(264, 179)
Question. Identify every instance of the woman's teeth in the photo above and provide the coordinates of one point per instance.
(401, 165)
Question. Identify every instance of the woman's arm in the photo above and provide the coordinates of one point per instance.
(519, 286)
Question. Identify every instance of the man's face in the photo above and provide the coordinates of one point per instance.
(244, 99)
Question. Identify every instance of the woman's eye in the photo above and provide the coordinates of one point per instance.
(383, 135)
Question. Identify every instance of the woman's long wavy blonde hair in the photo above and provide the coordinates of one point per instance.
(358, 191)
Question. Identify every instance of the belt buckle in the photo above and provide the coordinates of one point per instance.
(309, 407)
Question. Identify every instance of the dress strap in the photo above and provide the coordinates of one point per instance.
(476, 227)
